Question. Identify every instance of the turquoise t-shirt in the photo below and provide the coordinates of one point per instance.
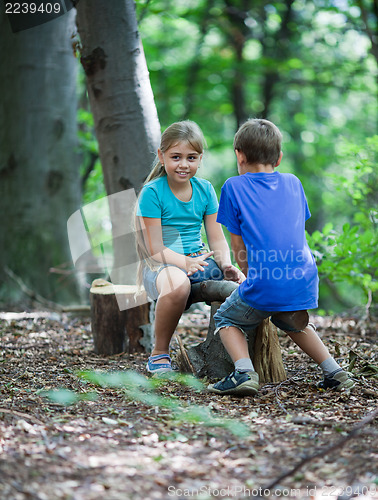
(181, 220)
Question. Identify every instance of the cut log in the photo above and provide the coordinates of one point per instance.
(212, 291)
(266, 355)
(120, 320)
(210, 359)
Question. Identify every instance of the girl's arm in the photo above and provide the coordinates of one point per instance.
(153, 238)
(218, 244)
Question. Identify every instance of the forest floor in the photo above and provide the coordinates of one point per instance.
(174, 440)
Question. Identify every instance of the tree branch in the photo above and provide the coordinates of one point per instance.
(369, 32)
(31, 293)
(144, 11)
(22, 415)
(339, 444)
(92, 161)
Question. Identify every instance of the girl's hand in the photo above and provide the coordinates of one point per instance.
(194, 264)
(232, 273)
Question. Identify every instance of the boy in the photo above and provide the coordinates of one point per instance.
(265, 212)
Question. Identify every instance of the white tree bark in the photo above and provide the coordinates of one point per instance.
(39, 175)
(125, 116)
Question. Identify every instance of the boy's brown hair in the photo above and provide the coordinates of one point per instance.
(260, 141)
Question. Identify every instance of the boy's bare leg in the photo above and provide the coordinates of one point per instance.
(334, 376)
(243, 381)
(174, 288)
(234, 342)
(311, 344)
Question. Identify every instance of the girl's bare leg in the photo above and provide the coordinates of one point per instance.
(174, 287)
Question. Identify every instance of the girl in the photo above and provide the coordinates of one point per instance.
(171, 207)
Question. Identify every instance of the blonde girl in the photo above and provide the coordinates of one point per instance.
(171, 207)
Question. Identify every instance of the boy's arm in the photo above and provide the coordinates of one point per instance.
(240, 252)
(218, 244)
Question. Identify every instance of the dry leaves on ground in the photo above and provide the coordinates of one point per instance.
(109, 444)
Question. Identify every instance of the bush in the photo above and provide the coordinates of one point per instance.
(349, 254)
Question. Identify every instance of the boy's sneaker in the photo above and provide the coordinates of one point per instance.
(241, 384)
(339, 381)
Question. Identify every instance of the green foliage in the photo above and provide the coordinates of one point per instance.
(307, 66)
(85, 133)
(137, 387)
(90, 169)
(304, 65)
(349, 255)
(67, 397)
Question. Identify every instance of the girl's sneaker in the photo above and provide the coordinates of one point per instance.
(241, 384)
(153, 367)
(339, 381)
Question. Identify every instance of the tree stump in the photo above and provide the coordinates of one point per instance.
(210, 358)
(120, 321)
(266, 355)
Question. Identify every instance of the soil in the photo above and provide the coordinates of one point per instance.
(62, 436)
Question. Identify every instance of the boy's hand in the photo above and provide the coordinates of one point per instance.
(194, 264)
(232, 273)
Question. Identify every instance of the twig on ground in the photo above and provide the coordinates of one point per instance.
(19, 316)
(182, 358)
(312, 421)
(280, 404)
(277, 388)
(339, 444)
(23, 347)
(368, 304)
(22, 415)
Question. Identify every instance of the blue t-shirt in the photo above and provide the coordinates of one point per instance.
(181, 220)
(269, 211)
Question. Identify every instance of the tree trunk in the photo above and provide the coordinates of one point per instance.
(280, 50)
(238, 34)
(39, 173)
(125, 116)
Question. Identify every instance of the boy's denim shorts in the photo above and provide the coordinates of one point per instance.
(235, 312)
(210, 272)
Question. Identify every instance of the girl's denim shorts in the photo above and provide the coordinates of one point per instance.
(210, 272)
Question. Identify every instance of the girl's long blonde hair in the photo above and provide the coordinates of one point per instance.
(183, 131)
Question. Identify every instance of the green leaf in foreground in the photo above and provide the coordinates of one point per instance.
(66, 397)
(140, 388)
